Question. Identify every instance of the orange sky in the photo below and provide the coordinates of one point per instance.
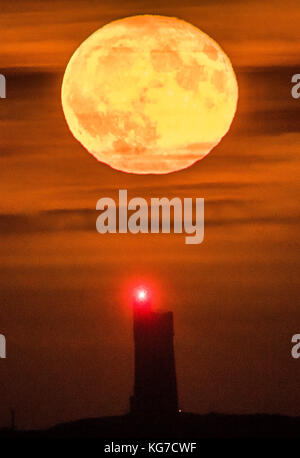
(234, 297)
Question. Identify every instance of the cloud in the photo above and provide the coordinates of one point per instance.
(234, 212)
(56, 220)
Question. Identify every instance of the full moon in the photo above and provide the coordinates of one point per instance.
(149, 94)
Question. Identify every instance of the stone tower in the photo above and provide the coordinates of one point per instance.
(155, 387)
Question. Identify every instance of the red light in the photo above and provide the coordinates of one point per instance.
(141, 294)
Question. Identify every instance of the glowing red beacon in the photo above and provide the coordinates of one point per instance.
(141, 294)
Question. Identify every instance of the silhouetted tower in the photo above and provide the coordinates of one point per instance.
(155, 387)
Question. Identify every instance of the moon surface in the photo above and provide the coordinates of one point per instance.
(149, 94)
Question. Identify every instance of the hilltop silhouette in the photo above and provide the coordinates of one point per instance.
(179, 426)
